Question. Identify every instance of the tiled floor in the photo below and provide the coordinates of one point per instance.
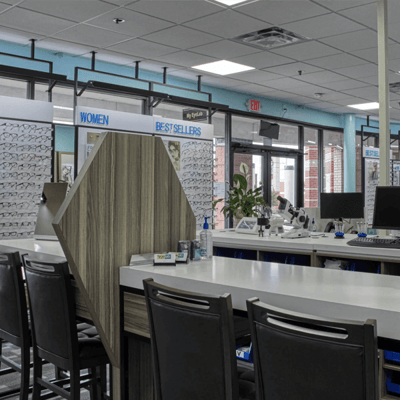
(12, 381)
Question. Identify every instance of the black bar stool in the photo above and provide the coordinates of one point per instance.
(193, 346)
(14, 322)
(303, 357)
(54, 332)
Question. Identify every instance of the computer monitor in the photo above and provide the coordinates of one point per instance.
(387, 208)
(342, 205)
(269, 130)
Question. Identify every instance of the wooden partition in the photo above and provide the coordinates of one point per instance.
(126, 200)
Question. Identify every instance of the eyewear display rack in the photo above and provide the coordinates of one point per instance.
(26, 153)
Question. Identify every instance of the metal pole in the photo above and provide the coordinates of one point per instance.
(228, 161)
(165, 75)
(300, 170)
(384, 113)
(199, 82)
(32, 48)
(93, 60)
(137, 69)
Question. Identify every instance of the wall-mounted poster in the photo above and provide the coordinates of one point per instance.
(65, 167)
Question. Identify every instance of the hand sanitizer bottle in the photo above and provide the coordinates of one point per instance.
(206, 244)
(314, 226)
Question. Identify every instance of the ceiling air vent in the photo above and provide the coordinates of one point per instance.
(271, 38)
(394, 87)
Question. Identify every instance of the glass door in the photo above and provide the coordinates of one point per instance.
(283, 179)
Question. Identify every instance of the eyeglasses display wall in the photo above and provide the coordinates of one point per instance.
(193, 163)
(25, 165)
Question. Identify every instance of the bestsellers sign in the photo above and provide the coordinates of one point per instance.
(86, 116)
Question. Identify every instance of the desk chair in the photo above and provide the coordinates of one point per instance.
(193, 346)
(54, 332)
(301, 357)
(14, 323)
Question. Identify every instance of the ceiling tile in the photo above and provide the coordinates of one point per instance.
(15, 36)
(285, 83)
(374, 80)
(370, 55)
(262, 60)
(61, 46)
(352, 41)
(4, 7)
(181, 37)
(72, 10)
(359, 71)
(33, 22)
(394, 31)
(119, 2)
(306, 51)
(256, 76)
(142, 48)
(394, 51)
(337, 61)
(343, 85)
(321, 77)
(293, 69)
(186, 59)
(394, 65)
(222, 81)
(224, 49)
(342, 5)
(370, 93)
(228, 24)
(276, 13)
(175, 11)
(11, 2)
(91, 36)
(334, 96)
(323, 26)
(365, 15)
(351, 100)
(135, 24)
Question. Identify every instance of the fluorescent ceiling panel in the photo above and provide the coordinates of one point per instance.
(230, 2)
(223, 67)
(365, 106)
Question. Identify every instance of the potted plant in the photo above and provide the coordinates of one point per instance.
(242, 201)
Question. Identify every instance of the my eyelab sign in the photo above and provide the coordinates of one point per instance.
(106, 119)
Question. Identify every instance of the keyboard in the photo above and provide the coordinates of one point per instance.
(375, 242)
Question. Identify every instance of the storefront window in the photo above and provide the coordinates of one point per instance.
(13, 88)
(333, 162)
(311, 168)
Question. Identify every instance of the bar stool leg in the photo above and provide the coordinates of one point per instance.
(75, 384)
(37, 373)
(25, 371)
(94, 392)
(103, 381)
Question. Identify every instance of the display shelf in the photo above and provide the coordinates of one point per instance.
(25, 154)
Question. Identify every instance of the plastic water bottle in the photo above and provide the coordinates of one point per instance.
(206, 243)
(314, 226)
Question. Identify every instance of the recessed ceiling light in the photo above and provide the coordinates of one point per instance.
(310, 141)
(223, 67)
(330, 144)
(365, 106)
(230, 2)
(118, 20)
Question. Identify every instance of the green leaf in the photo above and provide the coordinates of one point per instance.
(241, 181)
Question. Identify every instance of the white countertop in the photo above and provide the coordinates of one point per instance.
(315, 291)
(225, 238)
(40, 249)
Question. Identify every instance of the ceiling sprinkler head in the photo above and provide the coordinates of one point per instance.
(318, 95)
(119, 20)
(300, 72)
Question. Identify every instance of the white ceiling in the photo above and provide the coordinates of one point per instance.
(340, 62)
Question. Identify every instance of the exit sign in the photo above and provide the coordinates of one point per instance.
(254, 105)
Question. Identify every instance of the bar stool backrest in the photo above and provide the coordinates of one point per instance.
(52, 312)
(193, 344)
(302, 357)
(13, 308)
